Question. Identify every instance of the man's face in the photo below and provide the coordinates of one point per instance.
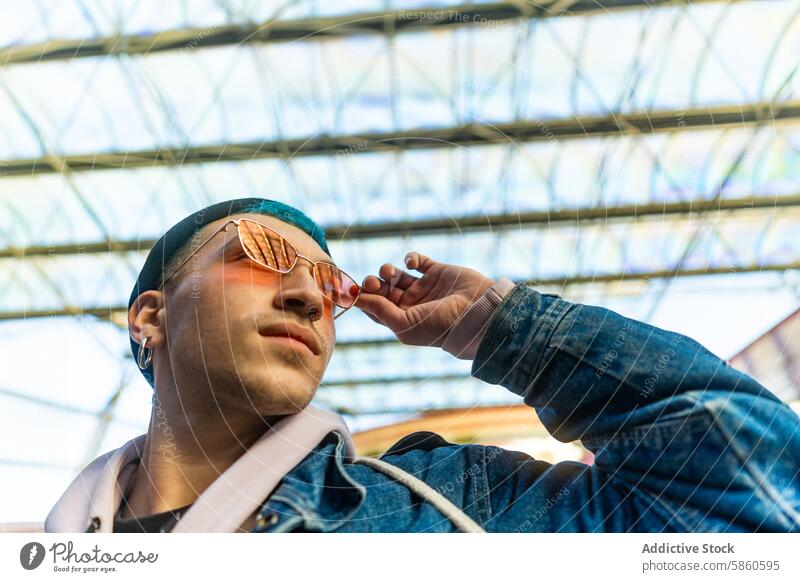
(221, 308)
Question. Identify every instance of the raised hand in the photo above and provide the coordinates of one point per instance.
(421, 310)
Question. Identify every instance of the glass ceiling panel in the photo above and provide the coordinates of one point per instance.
(58, 381)
(373, 188)
(539, 70)
(18, 416)
(356, 365)
(417, 396)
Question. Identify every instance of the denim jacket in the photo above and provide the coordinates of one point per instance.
(682, 441)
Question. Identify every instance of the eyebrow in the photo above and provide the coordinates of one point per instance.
(234, 241)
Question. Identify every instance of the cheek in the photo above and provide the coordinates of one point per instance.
(213, 286)
(240, 275)
(328, 331)
(222, 299)
(239, 285)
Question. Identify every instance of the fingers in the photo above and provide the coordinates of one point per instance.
(383, 311)
(385, 289)
(419, 262)
(371, 284)
(392, 282)
(396, 277)
(393, 285)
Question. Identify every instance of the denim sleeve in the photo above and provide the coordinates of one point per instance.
(681, 439)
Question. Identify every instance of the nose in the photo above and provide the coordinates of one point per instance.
(298, 291)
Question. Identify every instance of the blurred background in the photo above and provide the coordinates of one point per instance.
(639, 155)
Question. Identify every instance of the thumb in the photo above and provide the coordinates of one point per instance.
(380, 309)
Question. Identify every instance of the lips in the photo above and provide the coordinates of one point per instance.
(293, 331)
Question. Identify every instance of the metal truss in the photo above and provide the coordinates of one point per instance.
(279, 30)
(766, 109)
(615, 124)
(547, 218)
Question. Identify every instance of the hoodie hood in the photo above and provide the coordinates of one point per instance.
(93, 498)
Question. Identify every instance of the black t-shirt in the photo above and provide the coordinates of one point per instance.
(155, 523)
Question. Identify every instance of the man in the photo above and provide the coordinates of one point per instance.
(231, 321)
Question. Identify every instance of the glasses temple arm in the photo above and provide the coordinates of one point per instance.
(193, 253)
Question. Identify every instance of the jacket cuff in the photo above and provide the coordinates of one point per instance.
(464, 337)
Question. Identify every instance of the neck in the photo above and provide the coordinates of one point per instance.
(185, 453)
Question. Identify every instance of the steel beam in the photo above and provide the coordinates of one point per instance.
(279, 30)
(561, 217)
(615, 124)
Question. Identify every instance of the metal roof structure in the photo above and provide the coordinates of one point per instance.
(640, 155)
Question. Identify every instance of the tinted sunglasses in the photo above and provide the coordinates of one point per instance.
(267, 248)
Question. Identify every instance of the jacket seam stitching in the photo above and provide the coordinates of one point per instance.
(481, 497)
(553, 317)
(762, 485)
(637, 433)
(497, 323)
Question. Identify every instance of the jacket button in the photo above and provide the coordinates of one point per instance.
(265, 520)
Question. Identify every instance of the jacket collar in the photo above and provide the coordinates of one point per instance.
(318, 492)
(319, 495)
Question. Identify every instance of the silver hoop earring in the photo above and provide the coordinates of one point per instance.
(144, 363)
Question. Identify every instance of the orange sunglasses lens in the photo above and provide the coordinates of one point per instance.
(269, 249)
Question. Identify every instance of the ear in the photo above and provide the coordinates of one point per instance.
(146, 319)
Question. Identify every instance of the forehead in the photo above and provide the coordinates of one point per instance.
(301, 241)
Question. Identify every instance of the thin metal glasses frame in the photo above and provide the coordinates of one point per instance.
(236, 221)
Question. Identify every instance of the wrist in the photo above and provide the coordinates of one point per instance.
(465, 335)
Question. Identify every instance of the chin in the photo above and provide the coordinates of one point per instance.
(282, 392)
